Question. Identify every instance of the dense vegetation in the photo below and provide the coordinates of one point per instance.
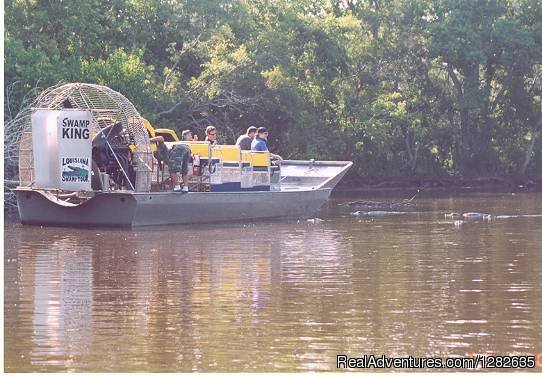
(401, 87)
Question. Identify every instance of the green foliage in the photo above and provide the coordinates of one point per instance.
(403, 87)
(125, 73)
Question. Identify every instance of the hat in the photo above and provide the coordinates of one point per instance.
(262, 130)
(251, 129)
(185, 134)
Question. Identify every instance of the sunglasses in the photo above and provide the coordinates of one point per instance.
(213, 134)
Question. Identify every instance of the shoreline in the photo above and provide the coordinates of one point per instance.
(437, 186)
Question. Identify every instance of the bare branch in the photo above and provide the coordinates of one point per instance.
(536, 82)
(457, 83)
(9, 89)
(171, 109)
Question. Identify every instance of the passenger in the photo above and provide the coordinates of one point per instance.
(260, 143)
(244, 141)
(187, 135)
(177, 160)
(210, 133)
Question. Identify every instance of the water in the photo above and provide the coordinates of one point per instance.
(277, 295)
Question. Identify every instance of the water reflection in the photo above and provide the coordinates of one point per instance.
(274, 296)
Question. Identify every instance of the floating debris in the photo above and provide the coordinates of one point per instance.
(385, 213)
(383, 206)
(477, 216)
(316, 220)
(378, 213)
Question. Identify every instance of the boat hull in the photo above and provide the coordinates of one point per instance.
(128, 209)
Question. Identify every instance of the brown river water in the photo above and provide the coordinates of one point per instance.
(277, 295)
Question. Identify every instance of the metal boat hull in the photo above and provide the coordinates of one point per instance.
(128, 209)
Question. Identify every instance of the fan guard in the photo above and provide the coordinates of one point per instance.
(108, 107)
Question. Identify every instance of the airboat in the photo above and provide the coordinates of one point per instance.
(86, 159)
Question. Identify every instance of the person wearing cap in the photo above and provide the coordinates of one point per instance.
(210, 133)
(259, 144)
(244, 141)
(186, 135)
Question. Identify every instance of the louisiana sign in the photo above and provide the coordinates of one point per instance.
(74, 149)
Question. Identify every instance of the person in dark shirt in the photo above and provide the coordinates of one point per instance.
(259, 144)
(244, 141)
(187, 135)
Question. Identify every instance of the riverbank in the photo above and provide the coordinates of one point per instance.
(436, 186)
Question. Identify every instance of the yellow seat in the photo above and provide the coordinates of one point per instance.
(256, 158)
(260, 158)
(202, 148)
(260, 163)
(227, 153)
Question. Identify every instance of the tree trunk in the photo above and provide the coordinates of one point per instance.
(529, 154)
(412, 151)
(464, 148)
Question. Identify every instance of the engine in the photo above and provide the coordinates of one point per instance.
(111, 154)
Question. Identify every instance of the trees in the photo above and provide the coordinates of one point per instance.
(423, 87)
(487, 49)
